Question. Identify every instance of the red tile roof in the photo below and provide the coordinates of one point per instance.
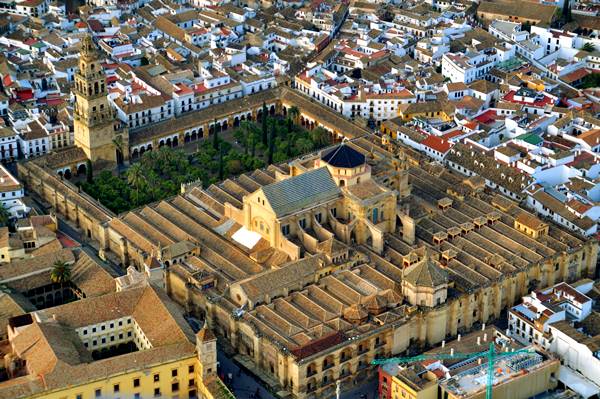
(318, 345)
(437, 143)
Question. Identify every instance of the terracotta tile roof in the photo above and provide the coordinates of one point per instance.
(437, 143)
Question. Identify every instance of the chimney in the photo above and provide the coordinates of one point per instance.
(451, 351)
(485, 337)
(483, 327)
(443, 343)
(478, 341)
(458, 338)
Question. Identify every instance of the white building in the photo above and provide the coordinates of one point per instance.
(471, 65)
(11, 194)
(529, 322)
(8, 144)
(554, 319)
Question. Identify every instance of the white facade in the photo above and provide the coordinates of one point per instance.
(11, 194)
(529, 322)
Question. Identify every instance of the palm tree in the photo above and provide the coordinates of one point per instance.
(589, 47)
(135, 177)
(319, 137)
(304, 145)
(61, 272)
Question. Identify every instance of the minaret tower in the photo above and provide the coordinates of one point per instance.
(97, 130)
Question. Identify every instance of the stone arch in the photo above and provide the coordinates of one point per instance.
(236, 121)
(81, 169)
(135, 153)
(328, 362)
(272, 110)
(311, 384)
(68, 174)
(175, 141)
(311, 369)
(327, 378)
(168, 143)
(161, 143)
(142, 151)
(225, 125)
(194, 136)
(186, 137)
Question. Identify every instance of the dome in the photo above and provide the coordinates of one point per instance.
(355, 313)
(376, 304)
(343, 156)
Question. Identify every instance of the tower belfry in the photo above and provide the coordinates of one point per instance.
(97, 130)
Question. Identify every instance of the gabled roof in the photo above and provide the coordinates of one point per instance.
(298, 192)
(343, 156)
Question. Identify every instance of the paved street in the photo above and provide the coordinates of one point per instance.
(244, 384)
(87, 248)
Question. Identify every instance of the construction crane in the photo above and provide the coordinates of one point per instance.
(490, 354)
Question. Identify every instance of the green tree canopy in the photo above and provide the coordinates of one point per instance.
(61, 272)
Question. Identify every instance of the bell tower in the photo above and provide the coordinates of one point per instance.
(97, 130)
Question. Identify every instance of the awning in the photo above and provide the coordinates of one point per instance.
(246, 237)
(577, 382)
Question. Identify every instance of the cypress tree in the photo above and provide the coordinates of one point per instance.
(271, 145)
(221, 166)
(215, 136)
(264, 124)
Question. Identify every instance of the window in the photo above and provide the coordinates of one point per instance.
(156, 392)
(175, 387)
(79, 396)
(98, 393)
(191, 382)
(116, 388)
(156, 377)
(136, 396)
(191, 368)
(136, 382)
(174, 373)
